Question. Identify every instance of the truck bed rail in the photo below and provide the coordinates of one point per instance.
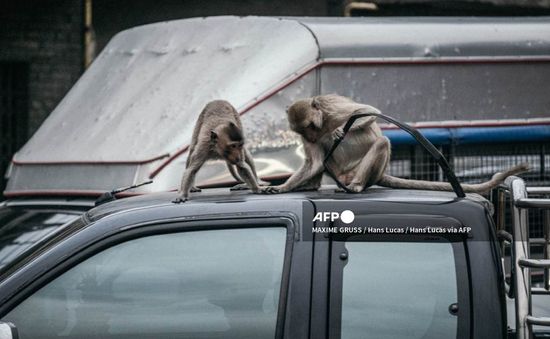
(522, 263)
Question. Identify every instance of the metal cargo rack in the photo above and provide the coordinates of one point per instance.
(477, 162)
(520, 200)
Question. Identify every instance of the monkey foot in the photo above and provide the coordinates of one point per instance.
(179, 200)
(269, 190)
(195, 189)
(355, 187)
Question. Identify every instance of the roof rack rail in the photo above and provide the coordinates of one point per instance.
(520, 283)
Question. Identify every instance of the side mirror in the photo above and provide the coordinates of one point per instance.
(8, 331)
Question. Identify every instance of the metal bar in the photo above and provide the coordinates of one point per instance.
(500, 205)
(534, 263)
(522, 278)
(501, 209)
(538, 190)
(541, 321)
(537, 242)
(541, 161)
(355, 5)
(439, 60)
(88, 34)
(540, 291)
(532, 203)
(546, 250)
(503, 235)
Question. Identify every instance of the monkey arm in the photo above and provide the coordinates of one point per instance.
(250, 161)
(233, 172)
(245, 172)
(194, 163)
(186, 182)
(361, 122)
(310, 169)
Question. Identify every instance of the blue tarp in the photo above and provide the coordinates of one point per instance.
(473, 135)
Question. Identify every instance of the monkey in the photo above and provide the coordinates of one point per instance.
(362, 158)
(218, 135)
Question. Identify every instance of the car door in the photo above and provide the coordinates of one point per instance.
(387, 284)
(217, 279)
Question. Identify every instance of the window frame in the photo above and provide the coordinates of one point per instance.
(167, 227)
(34, 247)
(462, 273)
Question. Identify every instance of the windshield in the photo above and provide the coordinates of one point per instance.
(20, 229)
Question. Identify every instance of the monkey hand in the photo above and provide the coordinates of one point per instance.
(338, 133)
(272, 189)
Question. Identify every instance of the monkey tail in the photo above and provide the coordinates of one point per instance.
(394, 182)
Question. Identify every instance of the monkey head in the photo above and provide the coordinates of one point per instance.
(228, 141)
(306, 118)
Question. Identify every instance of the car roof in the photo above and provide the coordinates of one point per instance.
(425, 37)
(218, 200)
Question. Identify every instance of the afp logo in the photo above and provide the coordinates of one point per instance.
(346, 216)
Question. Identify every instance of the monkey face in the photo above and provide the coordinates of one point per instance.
(311, 133)
(228, 149)
(228, 142)
(232, 152)
(306, 119)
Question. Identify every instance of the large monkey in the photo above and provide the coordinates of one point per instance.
(218, 134)
(362, 157)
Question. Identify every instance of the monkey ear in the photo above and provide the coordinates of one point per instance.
(213, 135)
(315, 103)
(235, 132)
(317, 119)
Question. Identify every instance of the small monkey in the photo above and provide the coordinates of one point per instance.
(362, 158)
(218, 135)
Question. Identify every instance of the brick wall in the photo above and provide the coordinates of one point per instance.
(48, 35)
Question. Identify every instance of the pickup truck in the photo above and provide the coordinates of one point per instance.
(326, 264)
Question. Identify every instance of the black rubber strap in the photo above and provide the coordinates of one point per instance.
(434, 152)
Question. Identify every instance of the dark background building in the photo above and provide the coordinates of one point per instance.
(46, 45)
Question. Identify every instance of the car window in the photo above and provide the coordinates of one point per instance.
(199, 284)
(20, 229)
(395, 290)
